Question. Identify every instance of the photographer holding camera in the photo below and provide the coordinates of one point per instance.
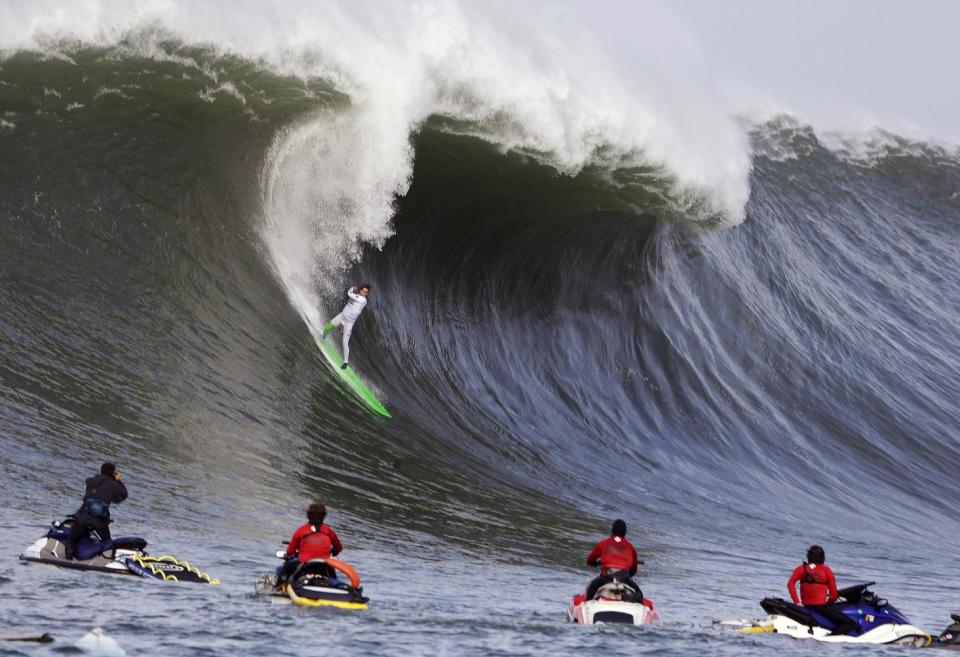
(102, 490)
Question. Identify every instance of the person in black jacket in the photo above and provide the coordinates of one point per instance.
(102, 490)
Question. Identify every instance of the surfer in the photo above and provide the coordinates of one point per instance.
(314, 540)
(818, 590)
(345, 320)
(102, 490)
(617, 560)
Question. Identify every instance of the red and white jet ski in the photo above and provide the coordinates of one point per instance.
(614, 602)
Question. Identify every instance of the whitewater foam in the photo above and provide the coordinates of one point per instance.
(111, 91)
(553, 92)
(210, 94)
(328, 185)
(784, 136)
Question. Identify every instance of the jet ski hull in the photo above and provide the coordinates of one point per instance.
(325, 596)
(595, 612)
(313, 586)
(122, 556)
(892, 634)
(283, 596)
(50, 552)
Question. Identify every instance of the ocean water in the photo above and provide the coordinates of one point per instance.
(739, 336)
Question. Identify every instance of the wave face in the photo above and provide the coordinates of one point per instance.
(570, 322)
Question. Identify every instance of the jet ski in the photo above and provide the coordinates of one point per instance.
(614, 602)
(316, 583)
(125, 555)
(950, 637)
(877, 619)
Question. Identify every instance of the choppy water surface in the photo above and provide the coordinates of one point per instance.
(559, 346)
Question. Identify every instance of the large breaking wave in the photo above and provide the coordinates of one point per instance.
(581, 300)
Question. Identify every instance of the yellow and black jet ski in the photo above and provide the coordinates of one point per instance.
(318, 583)
(125, 555)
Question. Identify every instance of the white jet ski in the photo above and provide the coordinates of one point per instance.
(614, 602)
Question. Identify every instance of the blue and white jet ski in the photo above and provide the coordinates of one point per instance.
(125, 555)
(878, 621)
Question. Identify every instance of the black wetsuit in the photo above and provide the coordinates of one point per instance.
(100, 488)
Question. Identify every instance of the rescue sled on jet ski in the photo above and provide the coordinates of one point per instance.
(877, 620)
(125, 555)
(614, 602)
(317, 583)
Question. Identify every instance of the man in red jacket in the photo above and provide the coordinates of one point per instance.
(314, 540)
(617, 560)
(818, 590)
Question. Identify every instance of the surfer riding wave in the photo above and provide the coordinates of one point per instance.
(348, 316)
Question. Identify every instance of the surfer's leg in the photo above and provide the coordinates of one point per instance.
(347, 330)
(332, 324)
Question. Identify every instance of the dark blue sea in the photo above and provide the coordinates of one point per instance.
(739, 352)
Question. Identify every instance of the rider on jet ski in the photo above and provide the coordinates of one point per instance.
(818, 590)
(314, 540)
(617, 560)
(102, 490)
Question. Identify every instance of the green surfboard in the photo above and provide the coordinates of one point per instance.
(348, 376)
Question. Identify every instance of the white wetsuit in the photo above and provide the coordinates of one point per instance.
(347, 317)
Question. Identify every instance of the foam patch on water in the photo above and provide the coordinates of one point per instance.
(97, 643)
(209, 95)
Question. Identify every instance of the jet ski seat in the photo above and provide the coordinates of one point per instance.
(313, 568)
(774, 606)
(88, 548)
(125, 543)
(617, 589)
(853, 594)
